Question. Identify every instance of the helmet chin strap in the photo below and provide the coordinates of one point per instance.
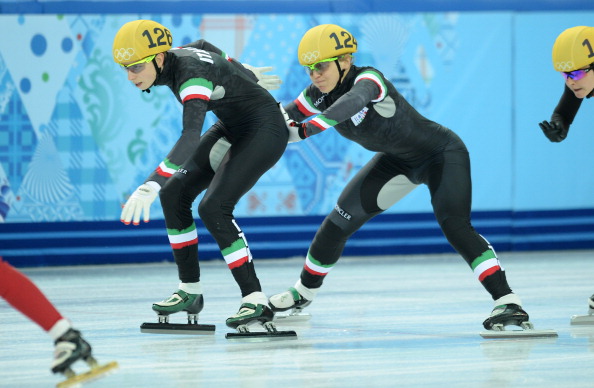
(154, 62)
(340, 76)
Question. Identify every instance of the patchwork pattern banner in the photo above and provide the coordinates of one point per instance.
(76, 138)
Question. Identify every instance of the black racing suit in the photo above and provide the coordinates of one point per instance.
(567, 107)
(204, 79)
(410, 150)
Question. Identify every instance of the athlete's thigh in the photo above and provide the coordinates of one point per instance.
(248, 158)
(450, 185)
(377, 186)
(195, 175)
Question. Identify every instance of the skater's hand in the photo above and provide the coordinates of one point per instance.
(296, 130)
(140, 201)
(267, 81)
(554, 130)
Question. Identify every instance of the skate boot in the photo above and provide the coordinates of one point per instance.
(254, 311)
(290, 299)
(180, 301)
(585, 319)
(508, 311)
(254, 308)
(505, 315)
(295, 299)
(70, 347)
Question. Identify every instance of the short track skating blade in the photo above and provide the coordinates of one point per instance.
(261, 336)
(177, 328)
(95, 372)
(582, 320)
(528, 333)
(292, 318)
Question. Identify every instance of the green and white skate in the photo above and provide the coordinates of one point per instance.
(254, 311)
(179, 301)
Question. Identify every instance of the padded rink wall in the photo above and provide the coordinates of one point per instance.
(76, 139)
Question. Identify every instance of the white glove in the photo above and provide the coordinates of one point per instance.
(292, 126)
(140, 201)
(267, 81)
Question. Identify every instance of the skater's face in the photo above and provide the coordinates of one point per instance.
(142, 73)
(325, 75)
(581, 82)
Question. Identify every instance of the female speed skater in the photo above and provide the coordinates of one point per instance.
(363, 106)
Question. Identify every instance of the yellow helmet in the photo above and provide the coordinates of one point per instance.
(323, 42)
(573, 49)
(139, 39)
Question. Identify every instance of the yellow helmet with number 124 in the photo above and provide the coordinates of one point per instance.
(139, 39)
(324, 42)
(574, 49)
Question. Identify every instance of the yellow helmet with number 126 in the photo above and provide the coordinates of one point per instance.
(324, 42)
(139, 39)
(574, 49)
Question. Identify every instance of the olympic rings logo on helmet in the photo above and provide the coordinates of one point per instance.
(140, 39)
(310, 56)
(124, 54)
(564, 66)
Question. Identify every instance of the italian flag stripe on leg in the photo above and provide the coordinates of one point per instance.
(485, 265)
(183, 238)
(314, 267)
(237, 254)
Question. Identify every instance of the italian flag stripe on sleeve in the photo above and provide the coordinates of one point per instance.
(305, 106)
(322, 122)
(374, 77)
(314, 267)
(227, 57)
(183, 238)
(166, 168)
(485, 265)
(196, 88)
(237, 254)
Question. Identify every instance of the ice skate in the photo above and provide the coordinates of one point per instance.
(71, 347)
(255, 312)
(294, 300)
(585, 319)
(508, 312)
(179, 301)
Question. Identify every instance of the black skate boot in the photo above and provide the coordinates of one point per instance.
(591, 305)
(70, 347)
(505, 315)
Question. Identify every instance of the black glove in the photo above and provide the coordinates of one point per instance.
(555, 130)
(301, 129)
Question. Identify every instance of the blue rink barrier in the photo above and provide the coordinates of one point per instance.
(81, 243)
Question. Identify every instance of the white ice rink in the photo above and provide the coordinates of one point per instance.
(405, 321)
